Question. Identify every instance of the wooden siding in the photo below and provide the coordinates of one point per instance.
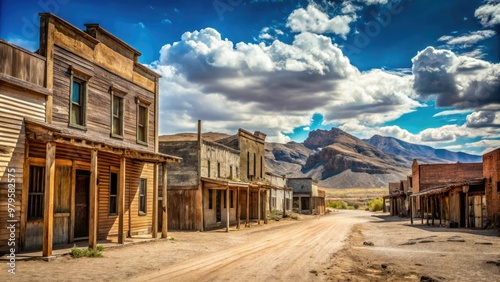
(182, 209)
(21, 64)
(99, 99)
(14, 106)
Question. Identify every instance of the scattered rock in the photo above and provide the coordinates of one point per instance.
(314, 271)
(368, 243)
(426, 241)
(429, 278)
(408, 243)
(456, 240)
(484, 243)
(418, 264)
(497, 263)
(386, 265)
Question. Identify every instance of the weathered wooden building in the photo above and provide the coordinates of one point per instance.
(307, 198)
(280, 198)
(90, 156)
(399, 198)
(451, 193)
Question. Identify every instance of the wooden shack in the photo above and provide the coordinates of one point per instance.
(90, 166)
(307, 198)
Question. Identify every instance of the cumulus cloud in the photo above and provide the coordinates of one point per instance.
(483, 119)
(456, 81)
(271, 87)
(489, 14)
(314, 20)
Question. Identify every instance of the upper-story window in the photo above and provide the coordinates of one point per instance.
(117, 112)
(78, 98)
(142, 121)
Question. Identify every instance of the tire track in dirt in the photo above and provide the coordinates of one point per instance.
(289, 253)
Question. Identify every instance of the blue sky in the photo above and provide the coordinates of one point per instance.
(423, 71)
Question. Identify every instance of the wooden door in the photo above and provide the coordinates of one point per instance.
(218, 206)
(82, 204)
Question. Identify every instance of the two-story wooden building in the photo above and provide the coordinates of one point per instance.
(90, 164)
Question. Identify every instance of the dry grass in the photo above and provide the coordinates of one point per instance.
(354, 195)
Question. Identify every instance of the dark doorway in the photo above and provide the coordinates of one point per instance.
(305, 204)
(462, 210)
(82, 186)
(218, 206)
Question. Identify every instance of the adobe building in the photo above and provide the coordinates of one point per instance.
(451, 193)
(307, 198)
(491, 174)
(82, 117)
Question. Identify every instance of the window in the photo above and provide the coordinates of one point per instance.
(261, 165)
(117, 116)
(254, 165)
(78, 103)
(231, 172)
(210, 199)
(248, 165)
(218, 170)
(208, 164)
(498, 187)
(113, 192)
(142, 123)
(35, 194)
(231, 199)
(142, 196)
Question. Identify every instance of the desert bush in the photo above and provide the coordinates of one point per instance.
(376, 204)
(88, 252)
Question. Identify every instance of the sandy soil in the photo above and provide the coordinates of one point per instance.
(343, 246)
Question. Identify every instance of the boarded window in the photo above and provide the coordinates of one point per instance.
(142, 124)
(117, 116)
(36, 190)
(78, 103)
(142, 196)
(113, 192)
(210, 199)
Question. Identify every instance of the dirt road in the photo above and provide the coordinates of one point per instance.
(291, 252)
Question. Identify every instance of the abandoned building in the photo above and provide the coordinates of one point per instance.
(280, 196)
(454, 194)
(491, 174)
(307, 198)
(399, 197)
(81, 120)
(217, 184)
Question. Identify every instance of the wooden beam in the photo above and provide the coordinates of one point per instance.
(265, 206)
(24, 195)
(48, 210)
(155, 202)
(121, 201)
(238, 208)
(248, 207)
(93, 208)
(259, 205)
(421, 209)
(228, 205)
(164, 217)
(72, 204)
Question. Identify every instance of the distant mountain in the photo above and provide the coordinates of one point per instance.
(422, 153)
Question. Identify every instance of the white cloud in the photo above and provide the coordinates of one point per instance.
(452, 112)
(313, 20)
(467, 40)
(456, 81)
(271, 87)
(489, 14)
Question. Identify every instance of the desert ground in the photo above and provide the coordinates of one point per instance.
(340, 246)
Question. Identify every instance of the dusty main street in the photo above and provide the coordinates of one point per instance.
(346, 245)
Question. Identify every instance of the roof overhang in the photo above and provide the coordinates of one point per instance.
(445, 188)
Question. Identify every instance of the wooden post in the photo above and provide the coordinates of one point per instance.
(164, 217)
(433, 208)
(411, 209)
(248, 207)
(300, 204)
(24, 201)
(238, 208)
(441, 210)
(72, 203)
(154, 232)
(228, 205)
(93, 200)
(48, 209)
(284, 203)
(266, 206)
(467, 210)
(121, 202)
(259, 207)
